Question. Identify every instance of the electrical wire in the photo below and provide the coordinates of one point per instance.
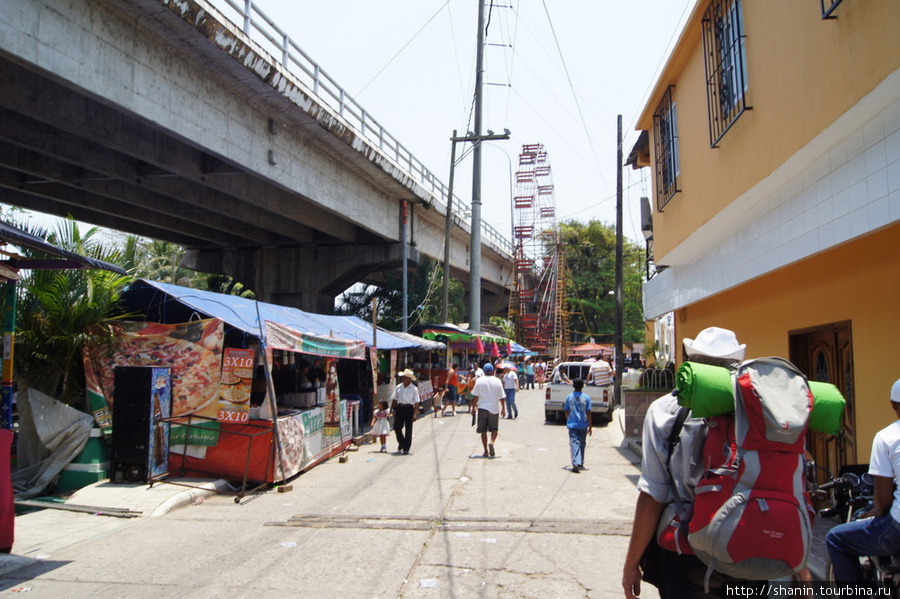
(574, 95)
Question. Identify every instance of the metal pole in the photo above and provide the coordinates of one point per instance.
(620, 358)
(445, 304)
(403, 218)
(475, 249)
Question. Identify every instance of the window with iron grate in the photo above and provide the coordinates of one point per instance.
(726, 66)
(665, 139)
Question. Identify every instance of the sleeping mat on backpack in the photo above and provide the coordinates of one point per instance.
(709, 391)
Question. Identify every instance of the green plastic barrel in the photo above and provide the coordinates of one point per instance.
(90, 466)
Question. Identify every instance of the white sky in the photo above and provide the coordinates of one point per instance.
(557, 72)
(411, 65)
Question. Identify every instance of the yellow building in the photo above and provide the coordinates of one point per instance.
(774, 149)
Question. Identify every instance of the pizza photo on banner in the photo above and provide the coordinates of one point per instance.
(331, 435)
(234, 391)
(192, 350)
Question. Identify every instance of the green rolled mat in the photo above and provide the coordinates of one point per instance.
(827, 414)
(706, 390)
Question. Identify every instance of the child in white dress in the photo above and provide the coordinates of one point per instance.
(381, 426)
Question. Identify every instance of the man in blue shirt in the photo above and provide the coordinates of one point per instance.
(578, 421)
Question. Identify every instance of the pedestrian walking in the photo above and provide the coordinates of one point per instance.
(405, 409)
(529, 375)
(489, 399)
(665, 471)
(437, 401)
(510, 386)
(578, 422)
(453, 386)
(381, 424)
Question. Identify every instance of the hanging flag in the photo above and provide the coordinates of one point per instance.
(479, 346)
(495, 351)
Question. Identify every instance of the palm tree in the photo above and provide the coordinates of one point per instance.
(55, 306)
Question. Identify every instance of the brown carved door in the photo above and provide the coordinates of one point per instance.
(825, 354)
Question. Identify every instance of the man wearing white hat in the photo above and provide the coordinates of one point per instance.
(674, 574)
(405, 409)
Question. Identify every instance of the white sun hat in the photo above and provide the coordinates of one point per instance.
(714, 342)
(895, 391)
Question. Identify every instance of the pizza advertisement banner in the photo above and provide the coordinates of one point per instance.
(332, 430)
(192, 350)
(234, 390)
(373, 362)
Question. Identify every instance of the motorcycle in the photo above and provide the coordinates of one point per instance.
(849, 497)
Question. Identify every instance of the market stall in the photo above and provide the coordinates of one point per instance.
(256, 394)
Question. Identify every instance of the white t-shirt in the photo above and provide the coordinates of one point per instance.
(489, 391)
(885, 460)
(511, 380)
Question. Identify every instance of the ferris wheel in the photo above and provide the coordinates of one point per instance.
(537, 303)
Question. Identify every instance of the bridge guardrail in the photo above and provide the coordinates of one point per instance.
(259, 27)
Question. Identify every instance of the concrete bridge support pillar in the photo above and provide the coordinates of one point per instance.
(308, 278)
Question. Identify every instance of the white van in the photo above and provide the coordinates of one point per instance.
(559, 387)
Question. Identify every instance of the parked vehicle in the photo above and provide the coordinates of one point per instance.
(559, 386)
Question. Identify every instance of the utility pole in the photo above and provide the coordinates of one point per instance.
(404, 219)
(620, 358)
(471, 137)
(475, 248)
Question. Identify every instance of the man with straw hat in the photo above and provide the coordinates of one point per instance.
(405, 409)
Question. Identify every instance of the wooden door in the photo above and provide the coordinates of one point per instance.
(825, 354)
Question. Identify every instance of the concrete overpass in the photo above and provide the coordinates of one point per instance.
(172, 120)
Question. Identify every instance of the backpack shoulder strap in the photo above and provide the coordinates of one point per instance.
(672, 441)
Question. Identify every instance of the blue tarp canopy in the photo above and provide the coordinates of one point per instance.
(165, 303)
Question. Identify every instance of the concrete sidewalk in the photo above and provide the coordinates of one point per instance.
(41, 533)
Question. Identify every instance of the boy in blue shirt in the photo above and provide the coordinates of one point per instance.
(578, 421)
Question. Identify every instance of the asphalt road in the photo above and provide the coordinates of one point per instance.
(440, 522)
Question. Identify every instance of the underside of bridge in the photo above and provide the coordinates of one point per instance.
(68, 150)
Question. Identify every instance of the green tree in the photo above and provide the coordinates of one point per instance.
(424, 286)
(55, 306)
(589, 252)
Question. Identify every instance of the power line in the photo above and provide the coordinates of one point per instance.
(572, 87)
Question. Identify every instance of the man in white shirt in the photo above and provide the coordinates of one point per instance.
(405, 409)
(879, 532)
(510, 386)
(489, 399)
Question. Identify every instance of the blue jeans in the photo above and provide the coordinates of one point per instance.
(577, 443)
(871, 536)
(511, 410)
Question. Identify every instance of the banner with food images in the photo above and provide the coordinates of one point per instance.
(234, 391)
(192, 350)
(282, 337)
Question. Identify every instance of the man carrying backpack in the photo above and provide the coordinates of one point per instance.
(675, 574)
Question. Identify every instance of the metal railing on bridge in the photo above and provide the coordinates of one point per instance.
(262, 30)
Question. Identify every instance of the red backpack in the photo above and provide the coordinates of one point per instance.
(751, 517)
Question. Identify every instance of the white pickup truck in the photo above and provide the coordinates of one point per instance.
(560, 386)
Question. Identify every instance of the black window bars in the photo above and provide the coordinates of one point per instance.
(726, 66)
(665, 141)
(828, 7)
